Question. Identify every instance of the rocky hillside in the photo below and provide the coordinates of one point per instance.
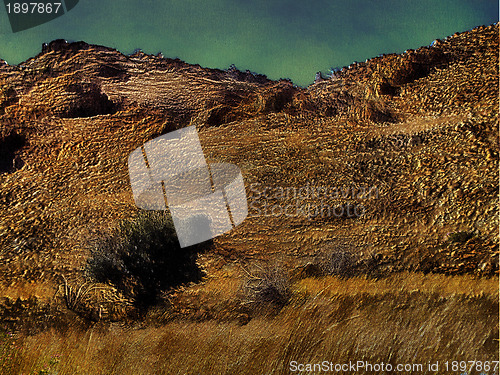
(397, 157)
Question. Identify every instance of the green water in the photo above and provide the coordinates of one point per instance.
(279, 38)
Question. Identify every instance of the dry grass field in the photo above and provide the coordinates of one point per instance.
(403, 319)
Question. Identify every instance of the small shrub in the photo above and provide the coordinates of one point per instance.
(460, 237)
(370, 266)
(338, 260)
(269, 285)
(144, 258)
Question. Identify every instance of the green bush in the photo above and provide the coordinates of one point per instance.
(143, 258)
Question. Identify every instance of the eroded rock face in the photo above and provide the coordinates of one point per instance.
(420, 127)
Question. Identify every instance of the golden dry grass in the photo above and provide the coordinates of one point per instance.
(445, 286)
(412, 318)
(26, 289)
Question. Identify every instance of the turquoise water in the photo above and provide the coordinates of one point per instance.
(279, 38)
